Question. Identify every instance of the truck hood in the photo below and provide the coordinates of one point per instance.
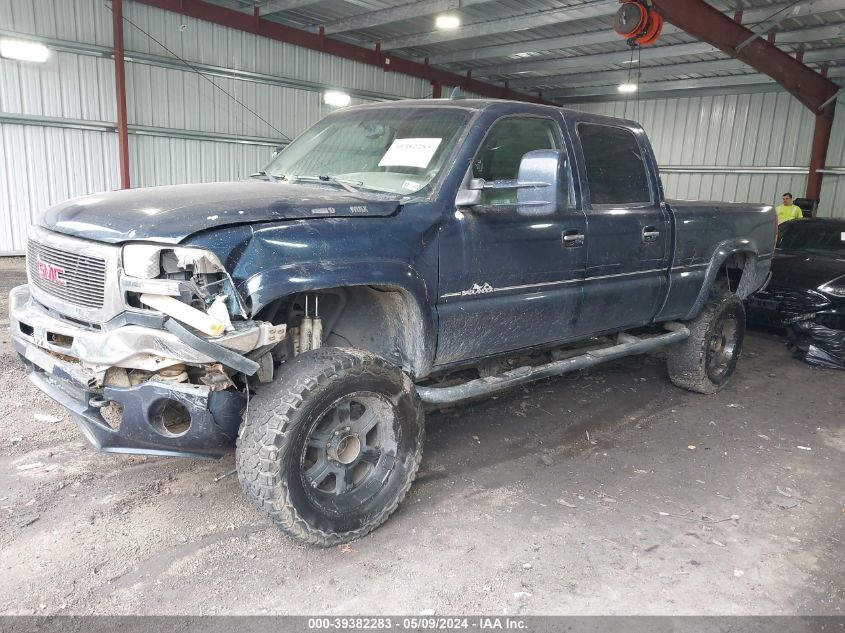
(170, 214)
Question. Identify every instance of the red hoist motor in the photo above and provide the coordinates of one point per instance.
(638, 22)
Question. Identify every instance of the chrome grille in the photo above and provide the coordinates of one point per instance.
(84, 276)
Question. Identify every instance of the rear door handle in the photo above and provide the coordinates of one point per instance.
(650, 234)
(573, 237)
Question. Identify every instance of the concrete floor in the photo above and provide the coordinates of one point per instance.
(604, 492)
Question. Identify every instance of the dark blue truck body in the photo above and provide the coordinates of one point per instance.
(472, 284)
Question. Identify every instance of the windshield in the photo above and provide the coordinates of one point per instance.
(821, 237)
(394, 150)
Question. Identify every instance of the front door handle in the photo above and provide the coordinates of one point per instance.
(573, 237)
(650, 234)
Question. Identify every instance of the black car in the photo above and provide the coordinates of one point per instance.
(808, 273)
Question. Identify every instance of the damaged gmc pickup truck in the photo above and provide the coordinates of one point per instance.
(393, 255)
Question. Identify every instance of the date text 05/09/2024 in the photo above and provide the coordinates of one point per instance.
(417, 623)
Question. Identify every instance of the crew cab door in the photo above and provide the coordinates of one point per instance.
(509, 280)
(628, 230)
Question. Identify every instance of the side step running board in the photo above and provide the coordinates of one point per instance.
(627, 346)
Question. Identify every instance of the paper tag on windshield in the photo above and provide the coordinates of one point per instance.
(410, 152)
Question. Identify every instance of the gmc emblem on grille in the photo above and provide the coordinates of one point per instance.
(50, 272)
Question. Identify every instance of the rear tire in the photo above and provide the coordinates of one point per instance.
(331, 447)
(705, 361)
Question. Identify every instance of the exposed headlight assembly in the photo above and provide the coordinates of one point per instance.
(192, 275)
(148, 261)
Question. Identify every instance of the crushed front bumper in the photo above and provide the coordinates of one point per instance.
(128, 344)
(214, 415)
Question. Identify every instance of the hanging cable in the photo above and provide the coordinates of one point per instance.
(284, 136)
(639, 74)
(630, 68)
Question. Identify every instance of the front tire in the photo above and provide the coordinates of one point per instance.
(706, 361)
(331, 447)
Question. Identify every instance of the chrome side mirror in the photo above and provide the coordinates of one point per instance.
(538, 186)
(540, 170)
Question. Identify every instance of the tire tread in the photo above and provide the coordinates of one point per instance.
(269, 428)
(686, 361)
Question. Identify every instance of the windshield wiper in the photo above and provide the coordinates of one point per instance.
(267, 175)
(349, 185)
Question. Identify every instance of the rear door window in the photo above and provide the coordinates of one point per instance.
(616, 169)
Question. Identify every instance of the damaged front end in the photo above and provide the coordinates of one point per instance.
(147, 346)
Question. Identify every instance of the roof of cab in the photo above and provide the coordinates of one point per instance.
(471, 104)
(503, 104)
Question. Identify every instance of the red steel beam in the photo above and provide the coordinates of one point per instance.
(818, 152)
(710, 25)
(818, 149)
(319, 42)
(120, 93)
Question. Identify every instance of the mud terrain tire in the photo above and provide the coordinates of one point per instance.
(330, 447)
(705, 362)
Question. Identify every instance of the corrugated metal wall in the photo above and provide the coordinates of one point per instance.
(56, 119)
(44, 165)
(704, 144)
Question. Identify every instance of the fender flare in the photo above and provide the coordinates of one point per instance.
(721, 254)
(270, 284)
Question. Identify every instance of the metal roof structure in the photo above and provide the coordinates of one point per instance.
(566, 50)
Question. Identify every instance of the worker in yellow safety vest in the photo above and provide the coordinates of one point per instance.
(788, 211)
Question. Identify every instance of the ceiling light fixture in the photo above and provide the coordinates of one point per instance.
(447, 21)
(524, 54)
(336, 98)
(627, 87)
(24, 51)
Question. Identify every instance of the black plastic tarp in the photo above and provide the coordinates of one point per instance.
(819, 339)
